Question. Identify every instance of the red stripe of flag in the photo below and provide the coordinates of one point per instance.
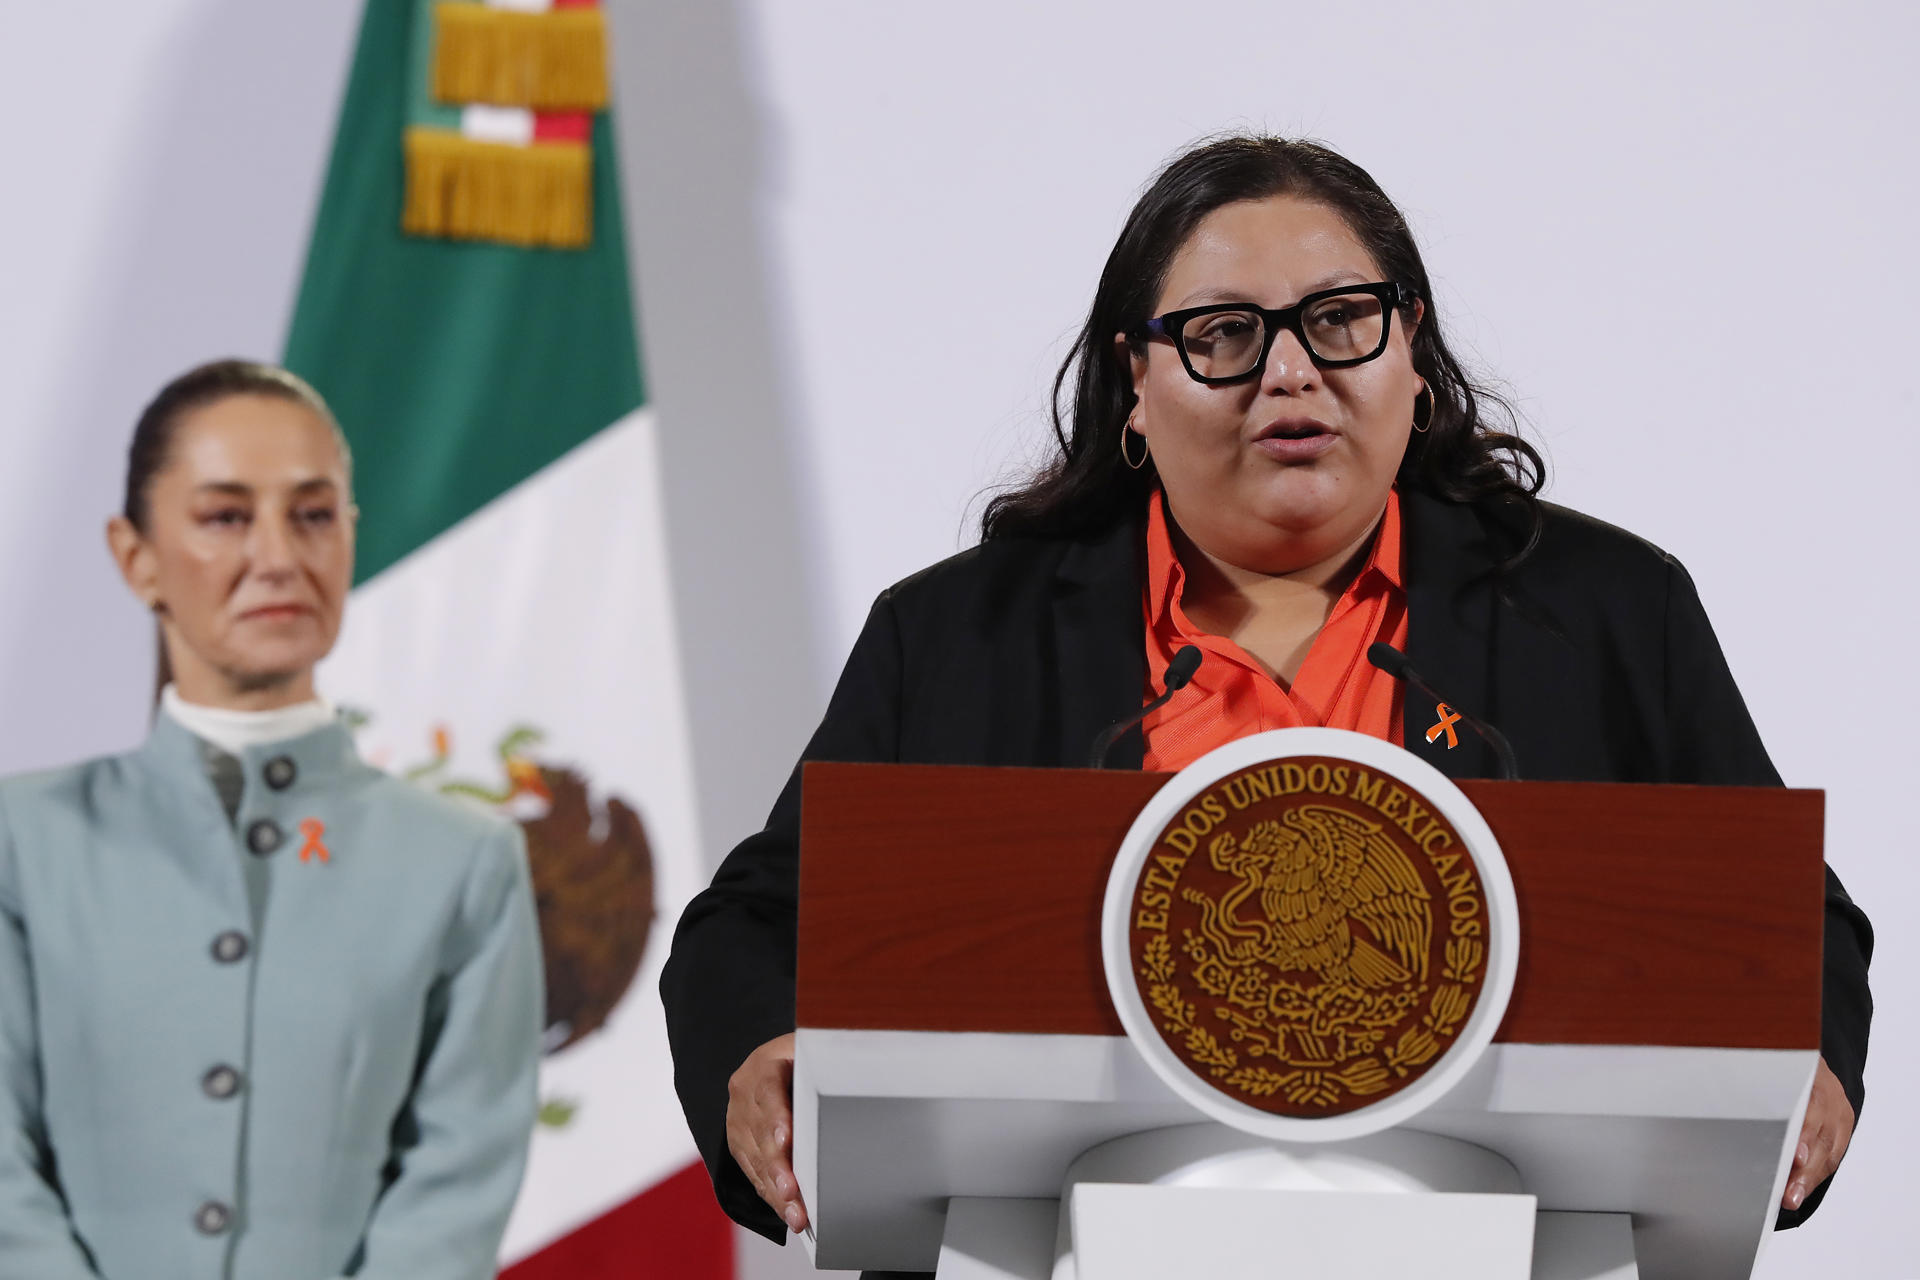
(562, 126)
(671, 1231)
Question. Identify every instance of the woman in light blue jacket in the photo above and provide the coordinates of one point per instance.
(266, 1013)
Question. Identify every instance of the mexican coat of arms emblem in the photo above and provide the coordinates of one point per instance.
(1309, 936)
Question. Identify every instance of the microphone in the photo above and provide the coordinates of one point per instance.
(1179, 671)
(1394, 663)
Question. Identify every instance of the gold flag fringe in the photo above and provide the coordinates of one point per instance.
(553, 61)
(539, 195)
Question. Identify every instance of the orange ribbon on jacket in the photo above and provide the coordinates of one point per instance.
(1448, 718)
(313, 829)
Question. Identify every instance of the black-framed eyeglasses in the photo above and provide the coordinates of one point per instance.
(1228, 341)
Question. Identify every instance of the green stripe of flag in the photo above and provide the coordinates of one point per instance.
(457, 370)
(422, 109)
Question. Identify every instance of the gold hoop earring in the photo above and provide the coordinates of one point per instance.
(1126, 429)
(1422, 422)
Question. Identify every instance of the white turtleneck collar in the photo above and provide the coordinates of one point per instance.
(234, 731)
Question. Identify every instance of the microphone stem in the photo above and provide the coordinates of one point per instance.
(1103, 745)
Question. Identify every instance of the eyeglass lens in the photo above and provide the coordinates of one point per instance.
(1227, 344)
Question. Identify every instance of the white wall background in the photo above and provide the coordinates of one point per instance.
(915, 201)
(163, 165)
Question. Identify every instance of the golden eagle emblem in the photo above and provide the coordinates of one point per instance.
(1309, 937)
(1316, 872)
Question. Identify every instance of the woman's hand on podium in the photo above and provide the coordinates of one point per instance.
(760, 1127)
(1824, 1136)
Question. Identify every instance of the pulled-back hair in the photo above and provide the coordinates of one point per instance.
(1085, 488)
(208, 384)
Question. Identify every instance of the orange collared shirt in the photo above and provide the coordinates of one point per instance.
(1232, 695)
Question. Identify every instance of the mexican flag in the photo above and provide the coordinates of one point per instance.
(466, 312)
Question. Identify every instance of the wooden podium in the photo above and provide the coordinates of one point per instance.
(957, 1044)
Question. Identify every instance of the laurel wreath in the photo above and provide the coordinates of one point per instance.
(1180, 1016)
(1315, 1086)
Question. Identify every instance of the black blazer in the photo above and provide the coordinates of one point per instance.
(1594, 656)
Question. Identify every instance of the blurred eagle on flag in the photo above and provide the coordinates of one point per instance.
(467, 311)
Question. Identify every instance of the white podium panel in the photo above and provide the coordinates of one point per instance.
(1583, 1246)
(1016, 1240)
(998, 1240)
(1150, 1233)
(1693, 1143)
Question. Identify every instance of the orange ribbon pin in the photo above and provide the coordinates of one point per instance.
(1448, 718)
(313, 829)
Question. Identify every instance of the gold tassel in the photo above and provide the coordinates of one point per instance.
(553, 61)
(539, 195)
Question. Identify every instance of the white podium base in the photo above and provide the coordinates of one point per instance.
(1208, 1200)
(989, 1239)
(1150, 1233)
(1584, 1246)
(994, 1239)
(1014, 1240)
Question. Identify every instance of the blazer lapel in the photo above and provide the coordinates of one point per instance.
(1450, 617)
(1099, 645)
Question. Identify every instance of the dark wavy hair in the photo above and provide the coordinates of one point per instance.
(1085, 488)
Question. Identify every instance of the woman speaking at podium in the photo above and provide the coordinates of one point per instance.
(265, 1012)
(1270, 461)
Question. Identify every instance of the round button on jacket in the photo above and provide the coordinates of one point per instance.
(264, 836)
(280, 772)
(212, 1218)
(230, 947)
(221, 1082)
